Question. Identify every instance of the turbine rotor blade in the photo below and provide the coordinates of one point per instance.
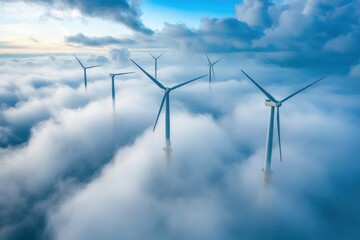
(278, 128)
(207, 58)
(118, 74)
(152, 55)
(93, 66)
(161, 106)
(213, 73)
(79, 61)
(261, 89)
(216, 61)
(287, 98)
(159, 56)
(182, 84)
(149, 76)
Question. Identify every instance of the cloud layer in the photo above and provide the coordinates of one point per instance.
(79, 176)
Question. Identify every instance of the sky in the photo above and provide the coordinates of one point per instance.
(74, 167)
(26, 25)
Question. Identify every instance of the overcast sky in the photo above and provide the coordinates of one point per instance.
(73, 168)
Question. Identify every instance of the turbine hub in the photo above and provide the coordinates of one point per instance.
(279, 103)
(167, 90)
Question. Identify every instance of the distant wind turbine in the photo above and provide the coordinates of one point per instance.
(84, 68)
(166, 99)
(211, 69)
(273, 103)
(112, 75)
(156, 63)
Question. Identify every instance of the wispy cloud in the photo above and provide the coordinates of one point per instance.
(83, 40)
(8, 45)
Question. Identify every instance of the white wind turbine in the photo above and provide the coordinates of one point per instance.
(211, 69)
(113, 75)
(156, 63)
(84, 68)
(273, 103)
(166, 100)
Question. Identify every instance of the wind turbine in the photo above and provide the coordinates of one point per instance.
(156, 59)
(211, 69)
(273, 103)
(166, 100)
(112, 75)
(84, 68)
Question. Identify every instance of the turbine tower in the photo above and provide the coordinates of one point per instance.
(166, 100)
(112, 75)
(84, 68)
(156, 59)
(273, 103)
(211, 69)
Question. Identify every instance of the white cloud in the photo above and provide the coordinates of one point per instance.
(355, 70)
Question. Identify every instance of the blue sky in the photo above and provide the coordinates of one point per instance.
(158, 12)
(215, 7)
(73, 167)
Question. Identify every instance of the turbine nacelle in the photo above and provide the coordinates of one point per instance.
(270, 103)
